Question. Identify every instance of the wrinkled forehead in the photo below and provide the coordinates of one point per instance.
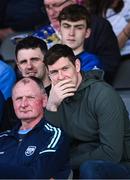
(26, 82)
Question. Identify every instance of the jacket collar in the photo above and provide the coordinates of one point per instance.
(14, 131)
(90, 77)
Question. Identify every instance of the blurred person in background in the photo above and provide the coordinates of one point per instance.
(16, 18)
(22, 15)
(7, 79)
(117, 12)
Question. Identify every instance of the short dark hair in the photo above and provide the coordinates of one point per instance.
(75, 12)
(56, 52)
(31, 42)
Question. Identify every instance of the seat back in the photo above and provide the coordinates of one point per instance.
(125, 95)
(122, 77)
(122, 82)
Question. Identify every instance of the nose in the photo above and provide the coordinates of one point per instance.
(24, 102)
(72, 31)
(60, 75)
(29, 65)
(51, 11)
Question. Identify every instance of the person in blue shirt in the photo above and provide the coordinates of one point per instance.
(34, 149)
(7, 79)
(75, 28)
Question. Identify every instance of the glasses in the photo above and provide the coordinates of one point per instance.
(55, 5)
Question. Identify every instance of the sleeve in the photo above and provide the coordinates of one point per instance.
(53, 117)
(111, 116)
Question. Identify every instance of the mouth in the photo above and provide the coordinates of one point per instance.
(70, 40)
(31, 74)
(54, 19)
(25, 112)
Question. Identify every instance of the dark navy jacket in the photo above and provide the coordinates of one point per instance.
(43, 153)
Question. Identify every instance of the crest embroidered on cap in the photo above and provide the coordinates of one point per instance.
(30, 150)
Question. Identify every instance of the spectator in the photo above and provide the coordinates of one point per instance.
(2, 101)
(34, 149)
(29, 55)
(75, 27)
(92, 113)
(7, 79)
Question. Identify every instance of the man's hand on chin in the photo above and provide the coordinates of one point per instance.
(59, 92)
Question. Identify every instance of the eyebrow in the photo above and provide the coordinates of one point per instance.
(69, 24)
(32, 58)
(55, 70)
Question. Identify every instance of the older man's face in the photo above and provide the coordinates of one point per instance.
(28, 101)
(54, 7)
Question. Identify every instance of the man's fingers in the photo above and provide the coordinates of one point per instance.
(68, 95)
(64, 82)
(69, 90)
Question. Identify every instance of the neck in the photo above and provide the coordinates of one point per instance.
(78, 50)
(79, 79)
(56, 26)
(29, 123)
(46, 80)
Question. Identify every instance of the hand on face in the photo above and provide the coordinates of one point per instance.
(59, 92)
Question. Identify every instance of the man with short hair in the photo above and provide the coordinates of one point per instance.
(92, 113)
(75, 26)
(34, 149)
(29, 54)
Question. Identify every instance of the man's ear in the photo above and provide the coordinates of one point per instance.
(77, 65)
(88, 32)
(45, 99)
